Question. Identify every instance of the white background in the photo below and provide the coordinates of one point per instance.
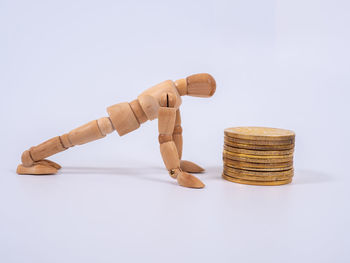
(282, 64)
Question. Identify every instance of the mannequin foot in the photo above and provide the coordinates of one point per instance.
(40, 168)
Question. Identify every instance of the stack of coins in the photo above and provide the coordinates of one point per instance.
(258, 155)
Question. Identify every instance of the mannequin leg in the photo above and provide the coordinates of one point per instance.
(33, 160)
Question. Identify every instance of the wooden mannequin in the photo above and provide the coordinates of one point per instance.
(161, 101)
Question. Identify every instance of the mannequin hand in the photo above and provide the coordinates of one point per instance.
(190, 167)
(186, 179)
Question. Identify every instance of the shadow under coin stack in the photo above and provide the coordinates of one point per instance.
(258, 155)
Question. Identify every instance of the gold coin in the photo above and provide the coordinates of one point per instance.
(257, 152)
(258, 166)
(260, 133)
(242, 181)
(269, 169)
(257, 159)
(259, 176)
(259, 173)
(259, 147)
(259, 142)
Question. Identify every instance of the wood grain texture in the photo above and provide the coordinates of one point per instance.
(26, 159)
(166, 120)
(150, 98)
(190, 181)
(123, 118)
(47, 162)
(138, 111)
(46, 149)
(166, 124)
(168, 115)
(162, 138)
(201, 85)
(181, 86)
(105, 125)
(190, 167)
(85, 133)
(66, 141)
(169, 154)
(37, 169)
(161, 101)
(177, 134)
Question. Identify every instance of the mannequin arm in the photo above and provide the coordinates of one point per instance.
(177, 133)
(168, 149)
(187, 166)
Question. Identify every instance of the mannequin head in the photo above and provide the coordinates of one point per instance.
(197, 85)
